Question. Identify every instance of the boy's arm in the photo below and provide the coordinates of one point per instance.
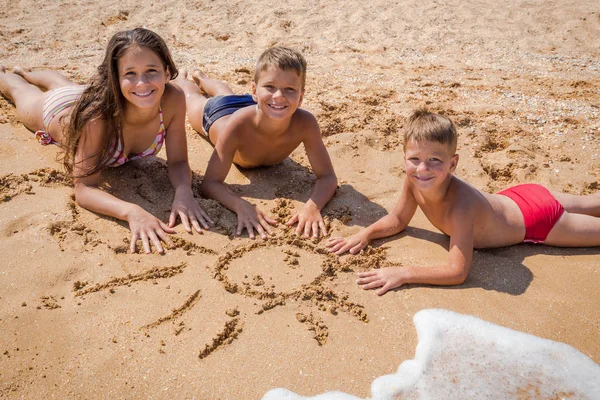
(309, 218)
(249, 217)
(388, 225)
(454, 273)
(180, 174)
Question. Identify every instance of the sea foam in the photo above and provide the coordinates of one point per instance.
(462, 357)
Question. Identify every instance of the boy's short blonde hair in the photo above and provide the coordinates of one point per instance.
(426, 126)
(283, 58)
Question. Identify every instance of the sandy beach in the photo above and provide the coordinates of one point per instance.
(226, 317)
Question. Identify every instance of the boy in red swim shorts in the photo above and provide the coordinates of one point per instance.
(472, 219)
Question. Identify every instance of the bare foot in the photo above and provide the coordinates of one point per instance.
(183, 74)
(2, 69)
(19, 71)
(197, 76)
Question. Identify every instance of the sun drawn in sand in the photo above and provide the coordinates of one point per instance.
(281, 271)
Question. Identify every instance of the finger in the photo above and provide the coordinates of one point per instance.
(384, 289)
(156, 242)
(145, 243)
(315, 229)
(307, 227)
(323, 228)
(172, 219)
(270, 220)
(134, 238)
(204, 220)
(166, 227)
(366, 274)
(196, 224)
(343, 249)
(185, 221)
(205, 217)
(265, 226)
(373, 285)
(239, 229)
(165, 238)
(292, 220)
(300, 227)
(261, 231)
(356, 249)
(367, 280)
(250, 231)
(334, 247)
(333, 241)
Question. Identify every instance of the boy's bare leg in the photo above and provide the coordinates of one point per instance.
(575, 230)
(212, 87)
(47, 80)
(28, 98)
(589, 205)
(194, 99)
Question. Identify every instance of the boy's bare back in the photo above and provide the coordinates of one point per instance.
(495, 220)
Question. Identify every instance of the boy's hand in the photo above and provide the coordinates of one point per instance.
(384, 278)
(189, 211)
(309, 220)
(251, 218)
(352, 244)
(148, 228)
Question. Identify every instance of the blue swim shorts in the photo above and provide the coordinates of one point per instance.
(220, 106)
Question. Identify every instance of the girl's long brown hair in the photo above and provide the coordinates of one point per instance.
(103, 99)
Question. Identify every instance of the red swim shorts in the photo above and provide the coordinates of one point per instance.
(540, 210)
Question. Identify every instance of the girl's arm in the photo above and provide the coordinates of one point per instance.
(388, 225)
(184, 205)
(142, 224)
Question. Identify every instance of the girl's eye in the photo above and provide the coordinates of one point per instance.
(290, 89)
(129, 73)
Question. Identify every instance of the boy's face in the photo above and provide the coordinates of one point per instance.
(278, 92)
(428, 164)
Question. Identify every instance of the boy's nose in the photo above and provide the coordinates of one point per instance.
(422, 166)
(278, 93)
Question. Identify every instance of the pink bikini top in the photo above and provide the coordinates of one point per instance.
(119, 158)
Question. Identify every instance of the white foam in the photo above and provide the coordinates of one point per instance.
(460, 356)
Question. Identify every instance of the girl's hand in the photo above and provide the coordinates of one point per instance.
(189, 211)
(148, 228)
(353, 244)
(384, 278)
(251, 218)
(309, 220)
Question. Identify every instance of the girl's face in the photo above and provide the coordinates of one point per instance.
(142, 77)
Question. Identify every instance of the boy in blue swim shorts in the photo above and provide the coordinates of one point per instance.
(260, 129)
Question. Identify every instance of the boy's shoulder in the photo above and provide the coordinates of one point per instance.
(304, 120)
(463, 197)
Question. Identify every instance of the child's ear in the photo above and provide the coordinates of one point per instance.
(453, 162)
(254, 92)
(301, 98)
(167, 74)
